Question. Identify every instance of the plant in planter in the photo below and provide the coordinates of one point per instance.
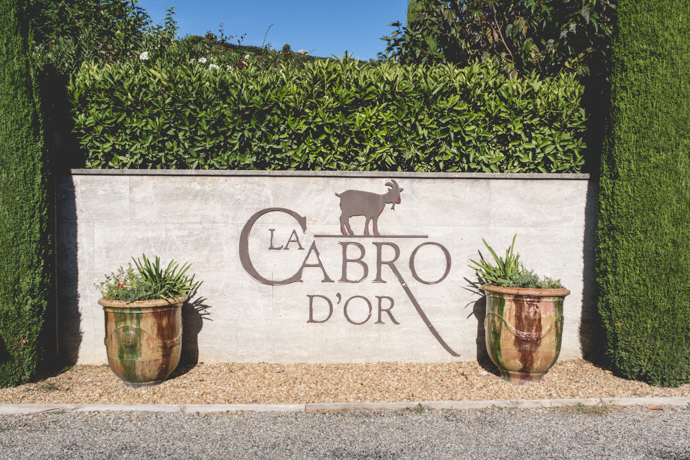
(524, 317)
(143, 319)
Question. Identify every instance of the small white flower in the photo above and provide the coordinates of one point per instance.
(304, 52)
(213, 66)
(246, 57)
(144, 56)
(202, 60)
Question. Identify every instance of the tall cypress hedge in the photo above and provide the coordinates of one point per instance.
(643, 233)
(24, 242)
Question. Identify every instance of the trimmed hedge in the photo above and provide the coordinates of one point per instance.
(334, 115)
(643, 235)
(24, 243)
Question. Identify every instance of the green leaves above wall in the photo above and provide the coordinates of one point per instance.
(330, 115)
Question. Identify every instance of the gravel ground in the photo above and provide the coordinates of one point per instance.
(612, 432)
(323, 383)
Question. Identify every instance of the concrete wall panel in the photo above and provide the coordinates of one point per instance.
(107, 217)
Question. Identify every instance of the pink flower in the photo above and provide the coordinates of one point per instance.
(241, 65)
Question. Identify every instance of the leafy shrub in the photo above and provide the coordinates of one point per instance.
(523, 35)
(498, 274)
(543, 36)
(643, 230)
(25, 275)
(528, 279)
(125, 284)
(336, 115)
(220, 49)
(148, 282)
(67, 33)
(509, 272)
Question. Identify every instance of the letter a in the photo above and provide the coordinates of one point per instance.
(318, 264)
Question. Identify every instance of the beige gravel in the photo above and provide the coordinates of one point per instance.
(309, 383)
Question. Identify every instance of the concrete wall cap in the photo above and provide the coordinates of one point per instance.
(351, 174)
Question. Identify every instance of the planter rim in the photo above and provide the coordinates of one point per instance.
(561, 292)
(174, 301)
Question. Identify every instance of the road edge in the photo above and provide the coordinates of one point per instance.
(23, 409)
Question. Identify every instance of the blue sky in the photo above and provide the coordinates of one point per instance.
(324, 27)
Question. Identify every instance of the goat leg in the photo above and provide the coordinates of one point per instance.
(376, 225)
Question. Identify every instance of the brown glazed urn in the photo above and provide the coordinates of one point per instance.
(143, 339)
(524, 330)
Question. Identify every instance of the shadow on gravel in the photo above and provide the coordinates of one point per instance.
(667, 454)
(181, 370)
(52, 369)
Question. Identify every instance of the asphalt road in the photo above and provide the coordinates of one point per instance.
(628, 433)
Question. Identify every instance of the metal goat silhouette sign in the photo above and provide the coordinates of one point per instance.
(352, 257)
(367, 204)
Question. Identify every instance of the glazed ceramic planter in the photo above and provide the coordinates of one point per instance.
(524, 330)
(143, 339)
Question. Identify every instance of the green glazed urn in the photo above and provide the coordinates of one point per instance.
(523, 330)
(143, 339)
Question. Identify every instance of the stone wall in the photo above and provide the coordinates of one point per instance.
(303, 292)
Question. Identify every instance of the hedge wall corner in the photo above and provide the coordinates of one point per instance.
(24, 239)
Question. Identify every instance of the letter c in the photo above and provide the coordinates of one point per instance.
(244, 246)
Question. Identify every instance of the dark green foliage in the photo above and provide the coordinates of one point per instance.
(543, 36)
(415, 9)
(24, 243)
(67, 33)
(524, 35)
(643, 235)
(336, 115)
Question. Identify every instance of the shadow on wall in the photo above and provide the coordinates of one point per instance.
(194, 313)
(592, 336)
(69, 331)
(479, 312)
(68, 315)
